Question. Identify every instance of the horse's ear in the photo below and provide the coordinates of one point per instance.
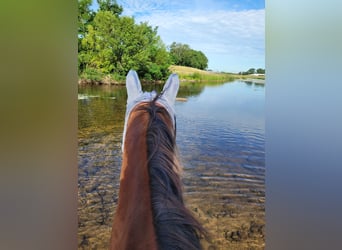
(171, 88)
(133, 86)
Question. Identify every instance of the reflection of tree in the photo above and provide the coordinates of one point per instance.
(105, 106)
(185, 89)
(190, 89)
(195, 89)
(104, 109)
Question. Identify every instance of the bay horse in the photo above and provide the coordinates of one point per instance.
(151, 213)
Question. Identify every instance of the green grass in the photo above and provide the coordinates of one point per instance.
(188, 74)
(197, 75)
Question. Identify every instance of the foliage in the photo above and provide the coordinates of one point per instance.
(110, 5)
(85, 16)
(252, 71)
(111, 44)
(92, 74)
(183, 55)
(260, 71)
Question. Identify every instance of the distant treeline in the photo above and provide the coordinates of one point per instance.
(109, 45)
(252, 71)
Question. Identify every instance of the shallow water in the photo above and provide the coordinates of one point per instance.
(220, 135)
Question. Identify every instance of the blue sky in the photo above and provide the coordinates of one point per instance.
(231, 33)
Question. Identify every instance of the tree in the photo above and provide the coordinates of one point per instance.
(182, 54)
(96, 46)
(110, 5)
(179, 53)
(113, 45)
(198, 60)
(85, 16)
(260, 71)
(251, 71)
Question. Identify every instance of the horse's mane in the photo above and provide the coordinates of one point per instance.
(175, 227)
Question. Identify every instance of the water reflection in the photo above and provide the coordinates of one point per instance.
(220, 134)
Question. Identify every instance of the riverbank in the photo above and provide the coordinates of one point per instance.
(186, 75)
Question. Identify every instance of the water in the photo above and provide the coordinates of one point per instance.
(220, 135)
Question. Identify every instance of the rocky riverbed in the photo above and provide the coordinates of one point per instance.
(231, 207)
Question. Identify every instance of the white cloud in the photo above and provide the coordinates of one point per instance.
(138, 7)
(232, 40)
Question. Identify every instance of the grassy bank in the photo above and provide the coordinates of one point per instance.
(188, 74)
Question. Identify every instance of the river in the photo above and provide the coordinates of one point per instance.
(220, 135)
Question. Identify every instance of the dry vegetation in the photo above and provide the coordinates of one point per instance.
(188, 74)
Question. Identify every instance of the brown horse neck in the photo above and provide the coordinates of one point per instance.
(133, 222)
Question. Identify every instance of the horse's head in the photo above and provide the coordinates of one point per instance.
(150, 175)
(136, 96)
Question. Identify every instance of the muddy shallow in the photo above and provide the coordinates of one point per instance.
(220, 134)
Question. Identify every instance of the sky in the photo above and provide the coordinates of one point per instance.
(231, 33)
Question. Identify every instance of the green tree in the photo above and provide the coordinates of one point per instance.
(179, 53)
(158, 65)
(251, 71)
(113, 45)
(97, 46)
(110, 5)
(182, 54)
(85, 16)
(198, 60)
(260, 71)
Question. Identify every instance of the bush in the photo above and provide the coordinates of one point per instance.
(196, 76)
(92, 74)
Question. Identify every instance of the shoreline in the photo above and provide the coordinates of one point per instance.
(186, 75)
(87, 82)
(91, 82)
